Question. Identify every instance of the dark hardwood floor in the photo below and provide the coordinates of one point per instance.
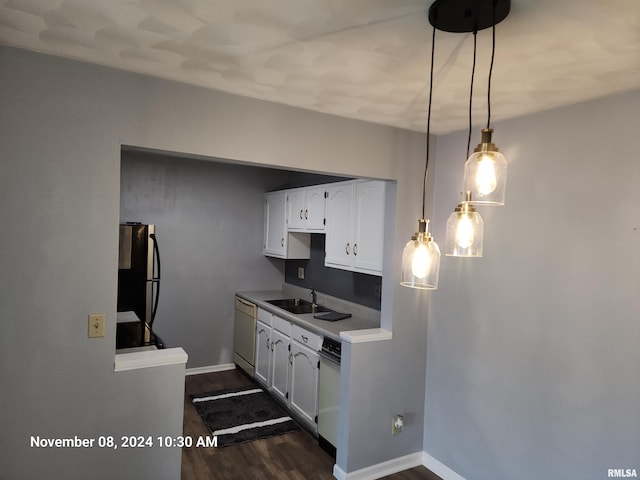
(294, 456)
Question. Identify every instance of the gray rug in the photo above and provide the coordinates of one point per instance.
(242, 415)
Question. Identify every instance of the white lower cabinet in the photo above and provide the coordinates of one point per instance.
(263, 353)
(262, 366)
(279, 384)
(303, 397)
(287, 364)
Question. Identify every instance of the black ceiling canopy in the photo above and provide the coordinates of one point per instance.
(460, 16)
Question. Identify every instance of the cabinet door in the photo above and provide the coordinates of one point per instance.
(304, 383)
(314, 211)
(274, 224)
(296, 209)
(338, 240)
(368, 232)
(280, 364)
(263, 353)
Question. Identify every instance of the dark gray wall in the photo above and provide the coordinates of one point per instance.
(353, 286)
(533, 354)
(208, 218)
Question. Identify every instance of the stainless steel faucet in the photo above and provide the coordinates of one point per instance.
(314, 297)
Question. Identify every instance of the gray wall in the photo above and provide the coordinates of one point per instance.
(63, 124)
(59, 183)
(533, 351)
(208, 216)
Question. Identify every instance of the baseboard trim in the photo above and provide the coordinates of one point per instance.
(210, 369)
(439, 468)
(379, 470)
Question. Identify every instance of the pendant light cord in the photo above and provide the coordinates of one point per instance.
(493, 53)
(426, 163)
(473, 72)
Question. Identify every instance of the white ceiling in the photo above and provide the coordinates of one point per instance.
(364, 59)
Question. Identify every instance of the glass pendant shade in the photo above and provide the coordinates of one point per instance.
(485, 173)
(465, 232)
(421, 260)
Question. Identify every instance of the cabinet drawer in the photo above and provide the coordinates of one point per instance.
(282, 325)
(265, 317)
(305, 337)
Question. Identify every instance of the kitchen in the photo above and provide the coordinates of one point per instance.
(519, 354)
(214, 207)
(217, 208)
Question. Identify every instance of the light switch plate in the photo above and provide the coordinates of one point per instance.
(96, 325)
(301, 273)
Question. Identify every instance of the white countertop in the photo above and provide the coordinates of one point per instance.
(363, 318)
(147, 358)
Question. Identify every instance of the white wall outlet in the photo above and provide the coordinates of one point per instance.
(397, 424)
(301, 273)
(96, 325)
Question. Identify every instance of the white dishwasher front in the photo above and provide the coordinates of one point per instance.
(244, 335)
(329, 395)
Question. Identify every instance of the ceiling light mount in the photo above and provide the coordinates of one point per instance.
(459, 16)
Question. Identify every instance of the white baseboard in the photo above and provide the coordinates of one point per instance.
(210, 369)
(439, 468)
(379, 470)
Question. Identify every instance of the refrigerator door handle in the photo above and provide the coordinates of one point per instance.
(156, 279)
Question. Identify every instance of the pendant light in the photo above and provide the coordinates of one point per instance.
(465, 231)
(485, 173)
(421, 254)
(465, 227)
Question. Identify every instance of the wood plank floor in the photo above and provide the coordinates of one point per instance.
(294, 456)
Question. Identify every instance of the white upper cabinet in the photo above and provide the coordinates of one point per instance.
(277, 241)
(355, 226)
(274, 224)
(338, 242)
(306, 209)
(295, 209)
(350, 213)
(368, 232)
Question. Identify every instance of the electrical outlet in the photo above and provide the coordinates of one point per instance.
(301, 273)
(96, 325)
(396, 424)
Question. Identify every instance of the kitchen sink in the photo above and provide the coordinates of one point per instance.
(298, 306)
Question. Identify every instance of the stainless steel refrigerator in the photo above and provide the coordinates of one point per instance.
(138, 286)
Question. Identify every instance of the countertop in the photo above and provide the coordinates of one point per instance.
(363, 318)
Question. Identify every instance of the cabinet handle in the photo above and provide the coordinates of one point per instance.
(267, 342)
(282, 242)
(347, 249)
(298, 354)
(301, 214)
(304, 339)
(355, 249)
(306, 214)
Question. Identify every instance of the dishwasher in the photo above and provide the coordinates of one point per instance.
(244, 335)
(329, 395)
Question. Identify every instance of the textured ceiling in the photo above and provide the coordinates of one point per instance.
(364, 59)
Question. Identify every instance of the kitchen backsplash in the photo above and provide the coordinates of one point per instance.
(352, 286)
